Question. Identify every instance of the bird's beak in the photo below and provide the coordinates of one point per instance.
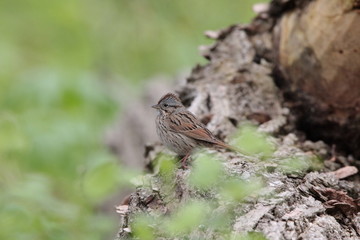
(156, 106)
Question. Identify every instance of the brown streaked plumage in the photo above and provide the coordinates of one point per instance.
(180, 130)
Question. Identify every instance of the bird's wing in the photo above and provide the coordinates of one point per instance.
(187, 124)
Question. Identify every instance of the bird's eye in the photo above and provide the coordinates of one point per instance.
(165, 105)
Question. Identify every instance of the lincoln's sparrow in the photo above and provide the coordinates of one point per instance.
(179, 130)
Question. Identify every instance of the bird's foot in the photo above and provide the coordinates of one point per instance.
(183, 161)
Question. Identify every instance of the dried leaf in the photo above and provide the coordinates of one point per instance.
(338, 201)
(345, 172)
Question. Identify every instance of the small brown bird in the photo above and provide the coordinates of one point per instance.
(179, 130)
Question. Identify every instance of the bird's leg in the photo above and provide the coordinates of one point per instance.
(183, 161)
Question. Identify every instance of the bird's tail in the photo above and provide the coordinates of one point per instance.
(227, 146)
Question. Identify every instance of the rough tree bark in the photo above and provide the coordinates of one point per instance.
(294, 71)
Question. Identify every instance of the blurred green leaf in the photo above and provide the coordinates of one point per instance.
(141, 227)
(220, 219)
(13, 138)
(101, 180)
(250, 141)
(206, 171)
(316, 163)
(237, 190)
(166, 166)
(296, 164)
(187, 218)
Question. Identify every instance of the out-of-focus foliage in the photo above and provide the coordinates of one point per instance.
(51, 127)
(206, 171)
(298, 164)
(60, 62)
(142, 227)
(252, 142)
(238, 190)
(166, 166)
(134, 39)
(187, 217)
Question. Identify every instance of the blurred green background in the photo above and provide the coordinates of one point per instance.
(62, 66)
